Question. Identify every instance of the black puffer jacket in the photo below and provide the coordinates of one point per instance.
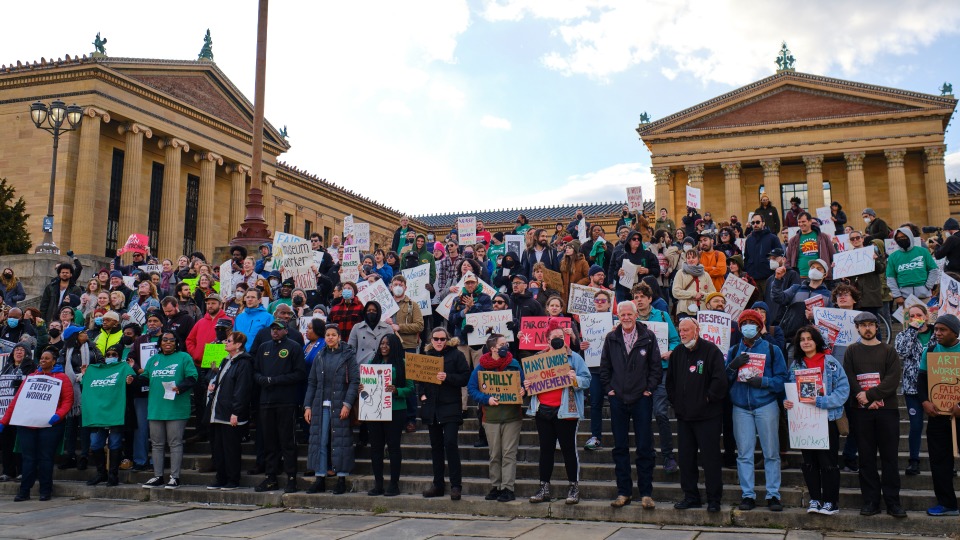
(279, 370)
(442, 403)
(233, 388)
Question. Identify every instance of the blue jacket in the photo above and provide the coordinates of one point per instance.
(836, 386)
(774, 375)
(583, 381)
(251, 321)
(482, 303)
(755, 251)
(473, 386)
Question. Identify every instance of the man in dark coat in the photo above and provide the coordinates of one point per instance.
(757, 249)
(57, 290)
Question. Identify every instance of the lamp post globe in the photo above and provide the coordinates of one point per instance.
(51, 119)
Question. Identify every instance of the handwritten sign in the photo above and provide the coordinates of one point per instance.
(662, 331)
(594, 328)
(843, 243)
(361, 236)
(553, 280)
(629, 278)
(949, 295)
(514, 243)
(296, 264)
(737, 292)
(502, 385)
(581, 299)
(37, 402)
(854, 262)
(228, 282)
(467, 230)
(348, 229)
(843, 320)
(547, 371)
(417, 279)
(693, 197)
(943, 380)
(911, 300)
(378, 292)
(807, 424)
(136, 243)
(213, 354)
(151, 268)
(443, 309)
(304, 324)
(350, 266)
(136, 313)
(423, 367)
(824, 215)
(8, 389)
(715, 328)
(635, 198)
(376, 404)
(533, 332)
(489, 322)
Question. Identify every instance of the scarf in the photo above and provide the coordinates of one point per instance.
(73, 376)
(489, 363)
(695, 270)
(598, 252)
(165, 278)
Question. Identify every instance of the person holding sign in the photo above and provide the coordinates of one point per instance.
(557, 413)
(645, 263)
(15, 367)
(939, 430)
(830, 390)
(793, 299)
(501, 421)
(104, 401)
(912, 344)
(389, 352)
(692, 284)
(910, 269)
(38, 444)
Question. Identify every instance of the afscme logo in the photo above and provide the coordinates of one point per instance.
(167, 372)
(102, 383)
(915, 264)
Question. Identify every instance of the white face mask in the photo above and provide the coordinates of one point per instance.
(815, 275)
(690, 344)
(774, 264)
(866, 220)
(398, 291)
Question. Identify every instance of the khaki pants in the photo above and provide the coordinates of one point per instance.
(503, 440)
(471, 355)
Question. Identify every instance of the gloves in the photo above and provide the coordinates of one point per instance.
(511, 326)
(1, 428)
(739, 361)
(754, 382)
(468, 328)
(54, 419)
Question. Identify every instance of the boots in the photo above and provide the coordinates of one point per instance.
(98, 461)
(319, 485)
(341, 486)
(377, 488)
(543, 494)
(914, 468)
(113, 476)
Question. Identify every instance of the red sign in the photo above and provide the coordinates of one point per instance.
(137, 243)
(533, 332)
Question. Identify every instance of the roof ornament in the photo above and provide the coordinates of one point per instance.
(644, 118)
(785, 59)
(99, 46)
(283, 132)
(946, 89)
(206, 52)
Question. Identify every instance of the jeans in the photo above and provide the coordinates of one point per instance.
(37, 447)
(596, 404)
(325, 449)
(661, 411)
(164, 432)
(98, 438)
(850, 448)
(621, 414)
(141, 437)
(915, 414)
(747, 426)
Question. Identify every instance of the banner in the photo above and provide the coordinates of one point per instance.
(350, 266)
(715, 328)
(635, 199)
(662, 331)
(514, 244)
(737, 292)
(502, 385)
(843, 320)
(376, 404)
(943, 380)
(136, 243)
(379, 293)
(594, 328)
(581, 299)
(423, 367)
(547, 371)
(693, 197)
(629, 278)
(533, 332)
(297, 264)
(39, 396)
(467, 230)
(361, 236)
(489, 322)
(854, 262)
(417, 279)
(806, 423)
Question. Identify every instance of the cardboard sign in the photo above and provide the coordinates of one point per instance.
(943, 380)
(378, 292)
(629, 278)
(136, 313)
(348, 229)
(737, 292)
(594, 328)
(467, 230)
(350, 266)
(423, 367)
(581, 299)
(514, 243)
(547, 371)
(489, 322)
(715, 328)
(553, 280)
(635, 198)
(533, 332)
(662, 331)
(854, 262)
(807, 424)
(37, 403)
(213, 354)
(842, 319)
(361, 236)
(297, 264)
(502, 385)
(376, 404)
(136, 243)
(417, 279)
(693, 197)
(824, 215)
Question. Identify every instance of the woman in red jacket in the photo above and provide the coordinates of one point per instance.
(38, 445)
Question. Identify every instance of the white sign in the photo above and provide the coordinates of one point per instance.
(910, 301)
(715, 328)
(151, 268)
(581, 299)
(949, 295)
(305, 322)
(37, 402)
(347, 226)
(227, 280)
(582, 230)
(136, 313)
(8, 389)
(662, 331)
(693, 197)
(635, 198)
(379, 293)
(444, 307)
(843, 242)
(854, 262)
(376, 404)
(792, 231)
(350, 267)
(737, 293)
(489, 322)
(629, 278)
(807, 423)
(147, 350)
(842, 319)
(297, 262)
(824, 215)
(361, 236)
(130, 281)
(333, 254)
(514, 243)
(417, 279)
(467, 230)
(594, 328)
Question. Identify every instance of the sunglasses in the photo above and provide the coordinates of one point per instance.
(756, 222)
(599, 300)
(501, 302)
(856, 238)
(440, 339)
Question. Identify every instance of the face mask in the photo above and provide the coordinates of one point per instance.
(111, 359)
(298, 301)
(126, 341)
(690, 344)
(238, 295)
(749, 331)
(815, 275)
(866, 220)
(13, 323)
(221, 334)
(348, 294)
(98, 321)
(556, 343)
(274, 283)
(372, 319)
(904, 243)
(508, 263)
(504, 351)
(54, 333)
(8, 275)
(398, 291)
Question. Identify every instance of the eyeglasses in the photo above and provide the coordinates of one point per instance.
(440, 339)
(756, 222)
(169, 339)
(228, 341)
(599, 300)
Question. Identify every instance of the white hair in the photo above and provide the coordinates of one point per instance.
(690, 320)
(626, 304)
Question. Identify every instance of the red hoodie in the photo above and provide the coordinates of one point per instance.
(203, 332)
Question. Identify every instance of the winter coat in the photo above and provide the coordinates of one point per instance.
(911, 350)
(203, 332)
(669, 260)
(696, 381)
(793, 302)
(550, 258)
(774, 375)
(771, 217)
(279, 369)
(630, 374)
(878, 228)
(365, 340)
(233, 390)
(871, 285)
(824, 248)
(567, 409)
(715, 265)
(686, 287)
(756, 250)
(410, 320)
(50, 299)
(442, 403)
(667, 225)
(344, 383)
(641, 257)
(481, 304)
(63, 405)
(503, 275)
(573, 271)
(12, 294)
(250, 321)
(836, 387)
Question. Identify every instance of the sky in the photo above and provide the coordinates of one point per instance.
(435, 106)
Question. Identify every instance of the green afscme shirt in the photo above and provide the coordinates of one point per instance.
(168, 368)
(104, 396)
(910, 268)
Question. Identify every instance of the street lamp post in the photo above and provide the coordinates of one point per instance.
(52, 120)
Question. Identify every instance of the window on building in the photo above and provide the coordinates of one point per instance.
(326, 236)
(789, 191)
(190, 214)
(287, 223)
(307, 228)
(113, 208)
(156, 196)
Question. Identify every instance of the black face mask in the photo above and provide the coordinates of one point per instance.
(298, 301)
(126, 341)
(372, 319)
(222, 333)
(556, 343)
(54, 333)
(508, 263)
(904, 243)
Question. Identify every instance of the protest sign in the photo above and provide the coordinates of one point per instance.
(213, 354)
(943, 380)
(305, 322)
(350, 267)
(423, 367)
(443, 309)
(854, 262)
(136, 314)
(8, 389)
(131, 282)
(581, 299)
(553, 280)
(792, 231)
(228, 282)
(842, 319)
(502, 385)
(715, 328)
(376, 404)
(737, 292)
(361, 236)
(514, 243)
(467, 230)
(807, 424)
(136, 243)
(843, 242)
(151, 268)
(662, 331)
(911, 300)
(417, 279)
(949, 295)
(629, 277)
(334, 254)
(635, 198)
(594, 328)
(547, 371)
(348, 226)
(693, 197)
(147, 350)
(297, 263)
(582, 230)
(6, 346)
(37, 403)
(533, 332)
(824, 215)
(378, 292)
(489, 322)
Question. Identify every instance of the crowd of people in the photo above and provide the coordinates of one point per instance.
(141, 354)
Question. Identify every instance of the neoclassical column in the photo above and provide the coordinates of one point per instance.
(771, 184)
(132, 220)
(171, 215)
(89, 226)
(814, 182)
(238, 197)
(856, 186)
(661, 181)
(731, 190)
(268, 214)
(694, 179)
(208, 177)
(938, 203)
(899, 206)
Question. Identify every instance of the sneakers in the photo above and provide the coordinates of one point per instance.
(230, 487)
(506, 495)
(686, 504)
(542, 494)
(813, 507)
(174, 483)
(774, 504)
(155, 482)
(913, 468)
(747, 504)
(268, 484)
(493, 495)
(5, 478)
(215, 486)
(670, 465)
(940, 510)
(829, 509)
(573, 494)
(593, 443)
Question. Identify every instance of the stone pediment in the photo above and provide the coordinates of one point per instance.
(196, 89)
